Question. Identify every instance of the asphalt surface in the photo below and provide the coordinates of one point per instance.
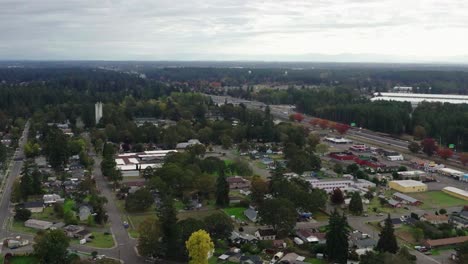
(15, 169)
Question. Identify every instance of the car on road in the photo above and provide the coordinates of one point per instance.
(125, 224)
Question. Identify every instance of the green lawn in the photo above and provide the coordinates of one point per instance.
(238, 212)
(46, 215)
(314, 261)
(18, 226)
(100, 240)
(320, 216)
(24, 260)
(437, 199)
(197, 214)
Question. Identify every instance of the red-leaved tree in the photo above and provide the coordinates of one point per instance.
(323, 123)
(342, 128)
(445, 153)
(463, 158)
(298, 117)
(429, 146)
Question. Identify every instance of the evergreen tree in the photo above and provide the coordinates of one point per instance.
(355, 205)
(168, 220)
(387, 241)
(222, 191)
(337, 238)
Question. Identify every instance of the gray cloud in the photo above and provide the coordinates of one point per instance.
(235, 29)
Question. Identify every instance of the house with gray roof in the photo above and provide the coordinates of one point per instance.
(251, 214)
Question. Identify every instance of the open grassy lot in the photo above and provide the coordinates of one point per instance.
(405, 233)
(100, 240)
(238, 212)
(437, 199)
(24, 260)
(47, 215)
(197, 214)
(18, 226)
(320, 216)
(375, 203)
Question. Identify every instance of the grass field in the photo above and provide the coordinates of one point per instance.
(100, 240)
(437, 199)
(320, 216)
(238, 212)
(197, 214)
(405, 233)
(18, 226)
(24, 260)
(46, 215)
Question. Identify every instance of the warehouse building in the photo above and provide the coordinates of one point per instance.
(459, 193)
(451, 173)
(407, 186)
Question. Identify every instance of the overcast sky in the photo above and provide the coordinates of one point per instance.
(380, 30)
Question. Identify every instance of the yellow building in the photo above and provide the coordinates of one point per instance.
(408, 186)
(459, 193)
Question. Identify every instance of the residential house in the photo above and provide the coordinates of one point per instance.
(360, 240)
(83, 234)
(394, 203)
(451, 241)
(435, 219)
(52, 199)
(251, 214)
(292, 258)
(38, 224)
(311, 237)
(460, 219)
(72, 230)
(34, 207)
(251, 260)
(237, 182)
(279, 244)
(265, 234)
(84, 212)
(406, 199)
(397, 222)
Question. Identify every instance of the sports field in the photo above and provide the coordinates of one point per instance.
(437, 199)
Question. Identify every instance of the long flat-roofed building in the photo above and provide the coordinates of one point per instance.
(459, 193)
(407, 186)
(416, 99)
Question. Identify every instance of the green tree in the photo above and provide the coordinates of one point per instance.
(226, 141)
(222, 191)
(258, 187)
(387, 241)
(313, 140)
(321, 148)
(150, 234)
(355, 205)
(3, 153)
(168, 219)
(219, 225)
(51, 247)
(463, 253)
(280, 213)
(22, 214)
(414, 147)
(199, 246)
(139, 201)
(337, 238)
(56, 148)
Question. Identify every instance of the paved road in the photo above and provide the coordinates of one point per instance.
(125, 249)
(14, 172)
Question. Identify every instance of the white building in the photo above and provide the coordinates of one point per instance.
(98, 111)
(451, 172)
(416, 99)
(343, 185)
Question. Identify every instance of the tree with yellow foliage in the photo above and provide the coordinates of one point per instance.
(199, 246)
